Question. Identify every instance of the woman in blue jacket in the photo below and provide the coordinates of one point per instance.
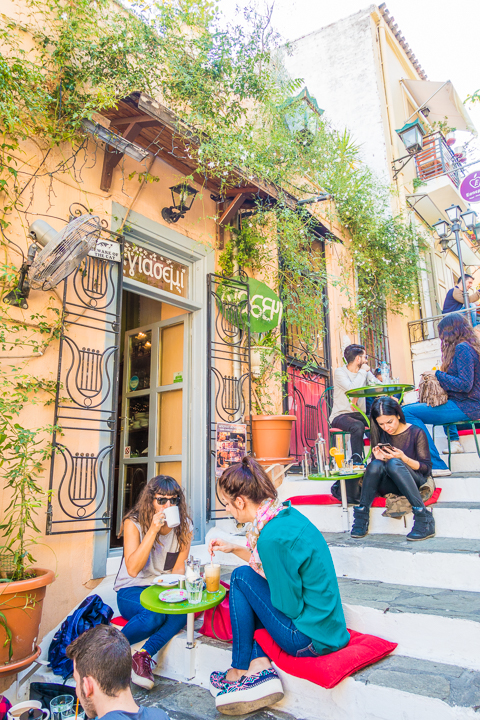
(459, 377)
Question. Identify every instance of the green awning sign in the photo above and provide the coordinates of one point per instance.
(265, 306)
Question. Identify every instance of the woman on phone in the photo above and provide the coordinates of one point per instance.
(288, 587)
(401, 465)
(150, 548)
(460, 377)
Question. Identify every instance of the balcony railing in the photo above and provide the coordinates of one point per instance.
(427, 328)
(437, 158)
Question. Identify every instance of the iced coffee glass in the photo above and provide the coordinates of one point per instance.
(212, 578)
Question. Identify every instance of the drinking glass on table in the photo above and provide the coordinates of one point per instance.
(61, 704)
(194, 588)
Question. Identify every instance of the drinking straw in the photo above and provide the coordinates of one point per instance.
(76, 710)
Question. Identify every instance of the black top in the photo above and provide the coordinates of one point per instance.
(414, 444)
(144, 713)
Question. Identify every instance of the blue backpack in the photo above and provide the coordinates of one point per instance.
(92, 611)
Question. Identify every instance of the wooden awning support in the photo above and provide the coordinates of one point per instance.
(232, 208)
(112, 157)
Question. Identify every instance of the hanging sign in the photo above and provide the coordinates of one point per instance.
(231, 445)
(265, 306)
(150, 268)
(470, 187)
(106, 250)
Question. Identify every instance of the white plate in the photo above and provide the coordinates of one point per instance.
(168, 579)
(173, 596)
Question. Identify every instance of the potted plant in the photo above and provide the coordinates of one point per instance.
(271, 433)
(22, 586)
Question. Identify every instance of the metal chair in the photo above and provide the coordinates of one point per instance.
(324, 403)
(448, 426)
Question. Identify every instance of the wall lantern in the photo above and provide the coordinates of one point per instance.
(302, 114)
(98, 132)
(182, 197)
(411, 135)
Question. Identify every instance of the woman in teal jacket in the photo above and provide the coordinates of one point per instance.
(288, 587)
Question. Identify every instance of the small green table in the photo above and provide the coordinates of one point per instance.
(150, 600)
(343, 491)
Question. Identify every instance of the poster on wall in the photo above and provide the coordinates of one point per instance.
(231, 445)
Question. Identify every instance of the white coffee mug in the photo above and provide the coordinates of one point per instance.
(17, 710)
(172, 516)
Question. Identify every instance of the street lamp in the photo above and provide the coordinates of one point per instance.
(411, 134)
(181, 204)
(444, 231)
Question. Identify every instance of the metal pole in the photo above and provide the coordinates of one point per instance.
(456, 229)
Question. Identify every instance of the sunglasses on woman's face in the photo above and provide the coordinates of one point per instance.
(175, 500)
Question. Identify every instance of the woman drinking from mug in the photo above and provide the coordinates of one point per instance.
(460, 377)
(288, 587)
(153, 544)
(401, 465)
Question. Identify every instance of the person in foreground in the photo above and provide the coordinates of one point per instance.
(459, 376)
(150, 548)
(400, 469)
(288, 587)
(102, 664)
(355, 374)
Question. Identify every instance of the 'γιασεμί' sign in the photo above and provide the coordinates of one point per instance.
(150, 268)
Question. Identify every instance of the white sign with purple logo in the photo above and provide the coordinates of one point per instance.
(470, 187)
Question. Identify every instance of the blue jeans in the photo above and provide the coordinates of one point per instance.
(250, 609)
(143, 623)
(473, 314)
(421, 414)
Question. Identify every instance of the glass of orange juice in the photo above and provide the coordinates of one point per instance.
(339, 458)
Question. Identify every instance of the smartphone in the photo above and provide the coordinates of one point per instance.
(386, 445)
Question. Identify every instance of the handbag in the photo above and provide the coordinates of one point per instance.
(430, 391)
(216, 621)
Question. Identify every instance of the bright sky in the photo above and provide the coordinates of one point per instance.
(444, 35)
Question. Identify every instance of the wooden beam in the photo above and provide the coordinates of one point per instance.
(234, 206)
(112, 158)
(135, 119)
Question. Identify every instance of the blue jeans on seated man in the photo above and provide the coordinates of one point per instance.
(143, 623)
(421, 414)
(473, 314)
(251, 609)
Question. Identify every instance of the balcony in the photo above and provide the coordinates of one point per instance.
(438, 159)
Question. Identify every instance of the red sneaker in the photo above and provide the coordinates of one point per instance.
(142, 665)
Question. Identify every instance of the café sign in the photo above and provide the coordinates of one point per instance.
(470, 188)
(265, 306)
(150, 268)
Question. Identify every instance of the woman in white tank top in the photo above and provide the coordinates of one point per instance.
(150, 548)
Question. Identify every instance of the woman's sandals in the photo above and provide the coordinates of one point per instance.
(248, 694)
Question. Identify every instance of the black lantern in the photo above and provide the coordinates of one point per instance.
(411, 135)
(454, 212)
(182, 197)
(302, 114)
(442, 228)
(469, 217)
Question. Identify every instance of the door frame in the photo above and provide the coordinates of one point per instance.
(153, 392)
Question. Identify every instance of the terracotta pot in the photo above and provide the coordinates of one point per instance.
(271, 435)
(24, 622)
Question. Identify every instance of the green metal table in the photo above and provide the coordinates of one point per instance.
(150, 600)
(343, 491)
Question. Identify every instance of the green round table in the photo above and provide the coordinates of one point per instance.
(150, 600)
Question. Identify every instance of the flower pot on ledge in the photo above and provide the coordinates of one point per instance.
(22, 621)
(271, 436)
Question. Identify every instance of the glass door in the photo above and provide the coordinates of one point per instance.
(155, 400)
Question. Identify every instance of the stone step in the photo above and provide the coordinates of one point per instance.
(395, 688)
(433, 563)
(433, 623)
(467, 441)
(452, 519)
(467, 462)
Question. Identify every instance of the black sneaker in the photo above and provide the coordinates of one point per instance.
(424, 525)
(361, 517)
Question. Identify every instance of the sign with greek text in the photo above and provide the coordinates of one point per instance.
(265, 305)
(150, 268)
(470, 187)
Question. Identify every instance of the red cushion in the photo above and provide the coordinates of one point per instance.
(118, 621)
(329, 670)
(338, 430)
(381, 502)
(469, 432)
(330, 500)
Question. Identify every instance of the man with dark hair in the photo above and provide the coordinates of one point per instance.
(454, 299)
(102, 666)
(355, 374)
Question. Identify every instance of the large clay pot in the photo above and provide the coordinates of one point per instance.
(22, 603)
(271, 436)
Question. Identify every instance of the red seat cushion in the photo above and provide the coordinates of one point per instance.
(330, 500)
(329, 670)
(469, 432)
(339, 431)
(119, 621)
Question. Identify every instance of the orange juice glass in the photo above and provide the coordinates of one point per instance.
(339, 458)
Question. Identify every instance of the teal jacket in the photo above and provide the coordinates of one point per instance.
(301, 577)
